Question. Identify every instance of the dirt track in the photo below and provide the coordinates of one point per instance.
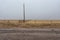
(29, 34)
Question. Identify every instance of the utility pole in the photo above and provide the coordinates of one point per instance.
(23, 12)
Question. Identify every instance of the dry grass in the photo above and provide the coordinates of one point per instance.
(30, 24)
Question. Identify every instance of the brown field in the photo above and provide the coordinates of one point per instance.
(30, 24)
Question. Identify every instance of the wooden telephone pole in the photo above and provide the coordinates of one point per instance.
(23, 12)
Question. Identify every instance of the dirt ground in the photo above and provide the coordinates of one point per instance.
(30, 24)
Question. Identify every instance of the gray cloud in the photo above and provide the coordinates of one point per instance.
(35, 9)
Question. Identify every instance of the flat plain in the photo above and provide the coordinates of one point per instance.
(30, 30)
(30, 23)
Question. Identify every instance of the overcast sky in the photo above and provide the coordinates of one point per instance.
(34, 9)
